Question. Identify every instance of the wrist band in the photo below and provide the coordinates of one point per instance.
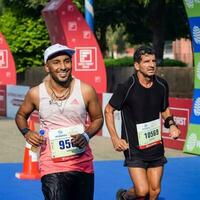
(169, 121)
(86, 136)
(24, 131)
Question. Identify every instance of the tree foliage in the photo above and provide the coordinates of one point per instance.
(116, 38)
(27, 38)
(25, 8)
(24, 29)
(144, 22)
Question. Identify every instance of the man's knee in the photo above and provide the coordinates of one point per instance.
(141, 192)
(154, 192)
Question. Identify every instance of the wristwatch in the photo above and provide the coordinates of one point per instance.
(24, 131)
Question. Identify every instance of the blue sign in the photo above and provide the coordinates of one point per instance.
(195, 31)
(195, 117)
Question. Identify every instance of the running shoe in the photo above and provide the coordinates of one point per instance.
(120, 194)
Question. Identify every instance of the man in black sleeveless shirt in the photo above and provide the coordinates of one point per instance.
(142, 99)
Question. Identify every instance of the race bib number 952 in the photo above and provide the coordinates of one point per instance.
(61, 141)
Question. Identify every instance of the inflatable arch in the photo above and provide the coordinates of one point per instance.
(7, 64)
(66, 25)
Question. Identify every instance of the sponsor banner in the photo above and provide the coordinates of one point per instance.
(192, 7)
(192, 144)
(195, 117)
(14, 98)
(181, 110)
(195, 32)
(2, 100)
(67, 25)
(197, 70)
(85, 59)
(117, 116)
(7, 64)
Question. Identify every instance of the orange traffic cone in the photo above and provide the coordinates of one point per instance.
(30, 166)
(31, 125)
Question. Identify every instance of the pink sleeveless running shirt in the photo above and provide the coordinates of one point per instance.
(54, 115)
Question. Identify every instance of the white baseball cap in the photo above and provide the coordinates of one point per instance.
(56, 48)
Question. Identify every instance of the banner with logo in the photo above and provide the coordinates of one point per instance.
(192, 144)
(181, 110)
(7, 64)
(15, 97)
(66, 25)
(2, 100)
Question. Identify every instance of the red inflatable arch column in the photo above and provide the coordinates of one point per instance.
(7, 64)
(66, 25)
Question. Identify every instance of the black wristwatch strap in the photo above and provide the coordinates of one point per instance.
(169, 121)
(24, 131)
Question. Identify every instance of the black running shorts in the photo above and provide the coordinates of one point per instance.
(68, 186)
(136, 162)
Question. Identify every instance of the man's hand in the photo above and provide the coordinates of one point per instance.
(119, 144)
(34, 138)
(79, 140)
(174, 132)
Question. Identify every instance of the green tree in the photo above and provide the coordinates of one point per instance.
(116, 38)
(167, 20)
(25, 31)
(1, 7)
(27, 37)
(31, 8)
(146, 21)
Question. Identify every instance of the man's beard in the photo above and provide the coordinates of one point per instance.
(65, 82)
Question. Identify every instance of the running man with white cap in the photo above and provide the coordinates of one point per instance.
(64, 104)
